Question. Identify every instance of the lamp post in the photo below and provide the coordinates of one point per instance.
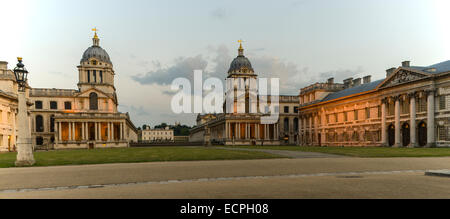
(24, 146)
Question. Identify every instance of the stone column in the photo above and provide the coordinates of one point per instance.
(59, 131)
(121, 131)
(112, 132)
(225, 134)
(24, 145)
(316, 129)
(412, 99)
(310, 130)
(397, 122)
(70, 131)
(83, 136)
(299, 139)
(383, 123)
(430, 119)
(96, 131)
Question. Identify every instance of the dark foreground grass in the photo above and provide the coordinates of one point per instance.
(367, 151)
(133, 155)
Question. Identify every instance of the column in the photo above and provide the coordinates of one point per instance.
(246, 131)
(225, 135)
(266, 131)
(96, 131)
(70, 131)
(430, 120)
(109, 131)
(299, 138)
(383, 123)
(112, 132)
(257, 131)
(83, 136)
(316, 128)
(310, 130)
(87, 130)
(397, 122)
(412, 102)
(59, 132)
(121, 131)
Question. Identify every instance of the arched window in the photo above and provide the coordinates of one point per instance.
(39, 123)
(93, 101)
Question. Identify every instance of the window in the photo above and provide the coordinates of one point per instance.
(53, 105)
(422, 104)
(52, 123)
(345, 117)
(367, 113)
(95, 75)
(379, 111)
(38, 105)
(286, 125)
(286, 109)
(89, 76)
(296, 109)
(356, 115)
(405, 107)
(93, 101)
(39, 141)
(442, 103)
(39, 123)
(101, 76)
(68, 105)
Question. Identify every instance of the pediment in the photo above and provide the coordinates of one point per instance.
(402, 76)
(86, 93)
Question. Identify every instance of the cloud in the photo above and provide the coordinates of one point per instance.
(182, 67)
(219, 13)
(292, 76)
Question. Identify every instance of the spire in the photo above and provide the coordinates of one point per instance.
(96, 40)
(241, 49)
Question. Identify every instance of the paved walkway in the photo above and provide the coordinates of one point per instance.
(289, 154)
(273, 178)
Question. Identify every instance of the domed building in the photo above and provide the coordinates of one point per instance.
(241, 122)
(83, 118)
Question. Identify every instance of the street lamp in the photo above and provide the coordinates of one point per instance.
(24, 146)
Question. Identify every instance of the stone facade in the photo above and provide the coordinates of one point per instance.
(409, 108)
(83, 118)
(241, 123)
(157, 135)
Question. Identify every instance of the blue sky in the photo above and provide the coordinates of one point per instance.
(299, 41)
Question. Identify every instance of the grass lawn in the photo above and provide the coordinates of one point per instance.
(366, 151)
(133, 155)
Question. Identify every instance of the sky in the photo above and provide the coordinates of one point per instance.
(153, 42)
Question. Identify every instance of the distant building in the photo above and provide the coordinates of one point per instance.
(235, 128)
(157, 135)
(408, 108)
(8, 108)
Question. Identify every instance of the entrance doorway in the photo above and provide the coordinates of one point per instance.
(406, 134)
(391, 134)
(422, 134)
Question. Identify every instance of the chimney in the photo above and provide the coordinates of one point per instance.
(331, 81)
(3, 66)
(406, 64)
(348, 82)
(357, 82)
(367, 79)
(390, 71)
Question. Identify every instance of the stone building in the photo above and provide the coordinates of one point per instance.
(86, 117)
(157, 135)
(8, 108)
(241, 125)
(408, 108)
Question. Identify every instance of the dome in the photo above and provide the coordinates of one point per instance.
(96, 52)
(241, 64)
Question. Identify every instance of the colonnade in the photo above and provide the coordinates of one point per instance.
(90, 131)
